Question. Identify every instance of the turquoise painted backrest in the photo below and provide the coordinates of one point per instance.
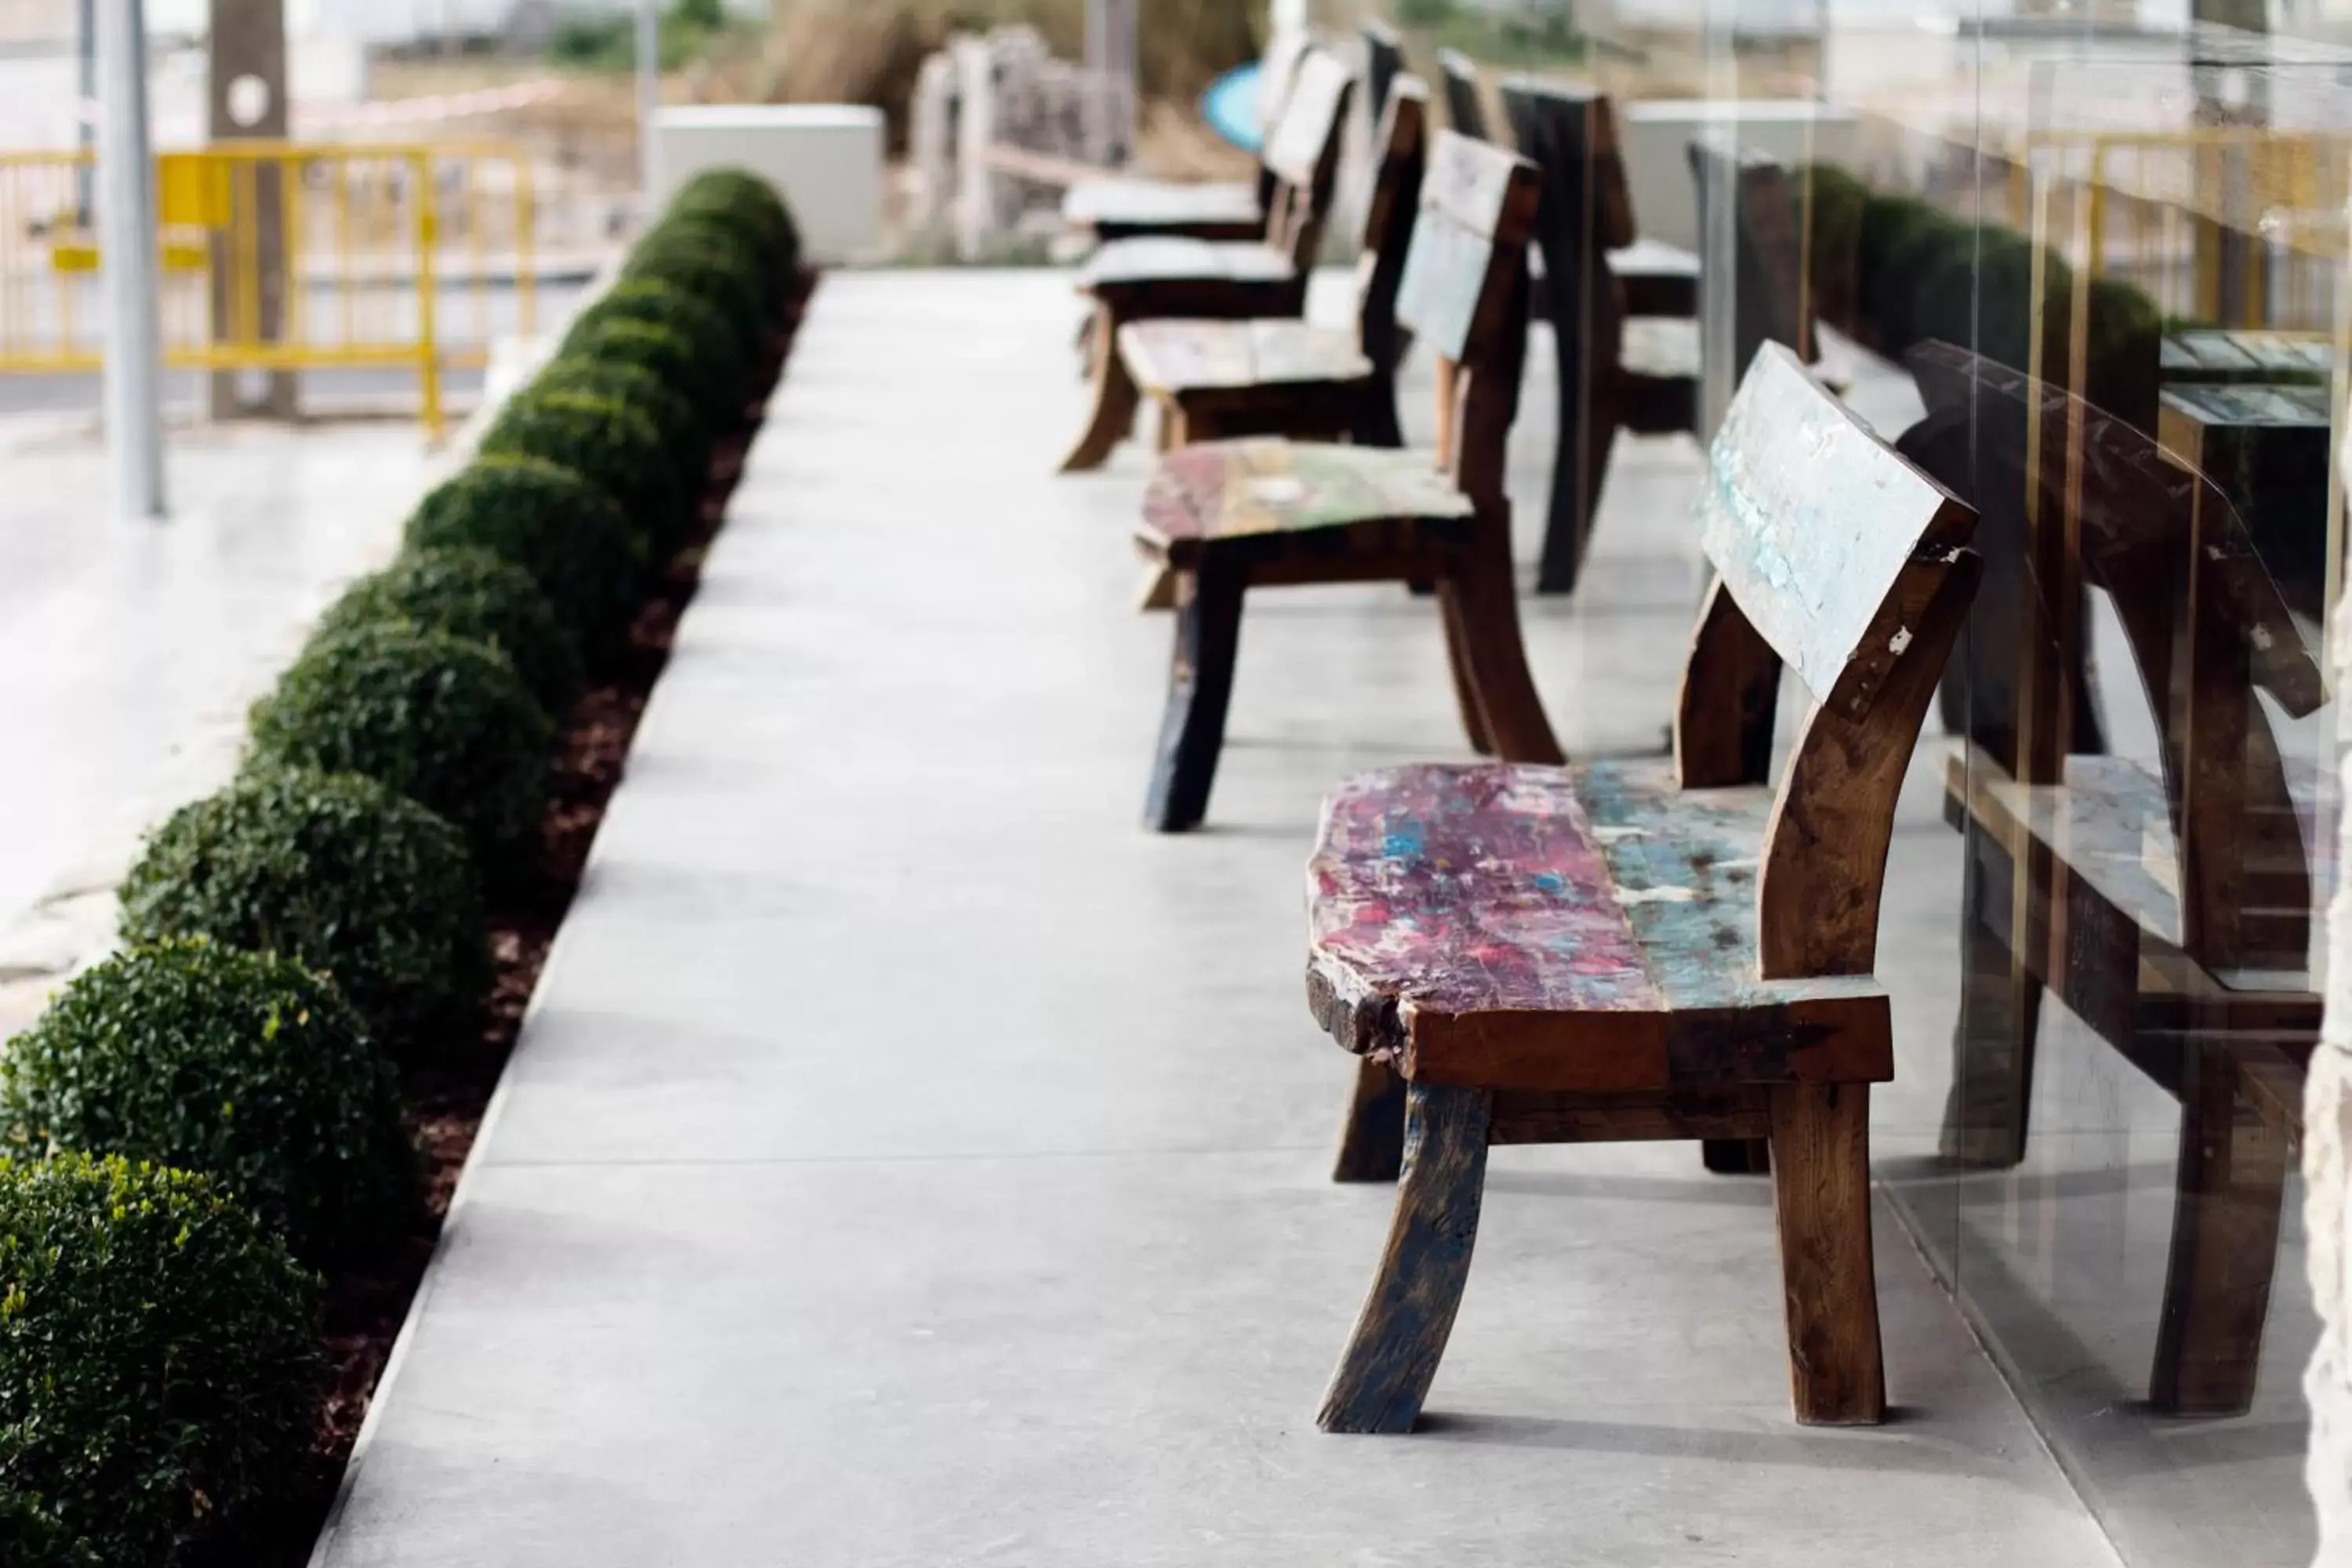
(1833, 545)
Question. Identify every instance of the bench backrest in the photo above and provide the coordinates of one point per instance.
(1388, 220)
(1767, 298)
(1587, 211)
(1383, 63)
(1840, 560)
(1302, 152)
(1464, 291)
(1466, 111)
(2096, 503)
(1277, 74)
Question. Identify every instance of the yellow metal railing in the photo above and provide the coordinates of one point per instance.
(278, 256)
(2157, 207)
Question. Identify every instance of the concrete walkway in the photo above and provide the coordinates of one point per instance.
(909, 1161)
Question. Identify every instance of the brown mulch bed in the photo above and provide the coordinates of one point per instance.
(363, 1311)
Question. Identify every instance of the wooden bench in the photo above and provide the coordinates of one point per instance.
(2169, 906)
(1144, 279)
(1283, 376)
(1383, 63)
(1653, 950)
(1133, 208)
(1226, 516)
(1645, 380)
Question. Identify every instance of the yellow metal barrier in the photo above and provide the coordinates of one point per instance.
(2157, 207)
(279, 257)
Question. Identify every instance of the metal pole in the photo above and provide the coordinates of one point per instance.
(85, 90)
(126, 215)
(648, 98)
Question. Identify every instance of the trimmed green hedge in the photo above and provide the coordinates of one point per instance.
(446, 721)
(469, 594)
(1897, 270)
(612, 446)
(244, 1066)
(570, 534)
(341, 872)
(160, 1367)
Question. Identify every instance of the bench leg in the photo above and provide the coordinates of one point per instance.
(1116, 398)
(1199, 682)
(1820, 1200)
(1990, 1105)
(1401, 1332)
(1371, 1137)
(2225, 1228)
(1481, 605)
(1465, 696)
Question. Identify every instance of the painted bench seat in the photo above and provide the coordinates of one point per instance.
(1163, 204)
(1577, 930)
(1158, 260)
(1172, 357)
(1267, 486)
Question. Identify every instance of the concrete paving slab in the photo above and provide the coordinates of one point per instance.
(909, 1160)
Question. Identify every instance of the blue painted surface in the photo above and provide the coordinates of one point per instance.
(1229, 106)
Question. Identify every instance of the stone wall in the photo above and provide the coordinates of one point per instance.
(2327, 1214)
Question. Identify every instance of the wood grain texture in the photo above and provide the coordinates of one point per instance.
(1525, 1117)
(1832, 543)
(1725, 708)
(1821, 1202)
(1579, 930)
(1199, 685)
(1400, 1335)
(2225, 1228)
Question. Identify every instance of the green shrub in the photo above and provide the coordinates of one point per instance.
(1835, 202)
(33, 1537)
(570, 534)
(445, 721)
(722, 355)
(614, 446)
(341, 872)
(243, 1066)
(664, 353)
(672, 412)
(469, 594)
(1904, 239)
(159, 1354)
(749, 204)
(705, 258)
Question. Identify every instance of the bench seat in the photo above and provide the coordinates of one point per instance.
(1261, 486)
(1170, 357)
(1113, 203)
(1157, 259)
(1576, 930)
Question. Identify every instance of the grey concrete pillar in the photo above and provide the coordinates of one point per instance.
(247, 101)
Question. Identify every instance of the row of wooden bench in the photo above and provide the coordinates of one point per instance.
(1518, 951)
(1528, 952)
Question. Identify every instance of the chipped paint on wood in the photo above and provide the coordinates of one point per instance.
(1222, 490)
(1813, 521)
(1456, 890)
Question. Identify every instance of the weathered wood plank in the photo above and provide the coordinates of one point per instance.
(1162, 203)
(1223, 490)
(1523, 1116)
(1155, 260)
(1821, 1199)
(1478, 206)
(1171, 356)
(1832, 543)
(1539, 927)
(1401, 1332)
(1294, 149)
